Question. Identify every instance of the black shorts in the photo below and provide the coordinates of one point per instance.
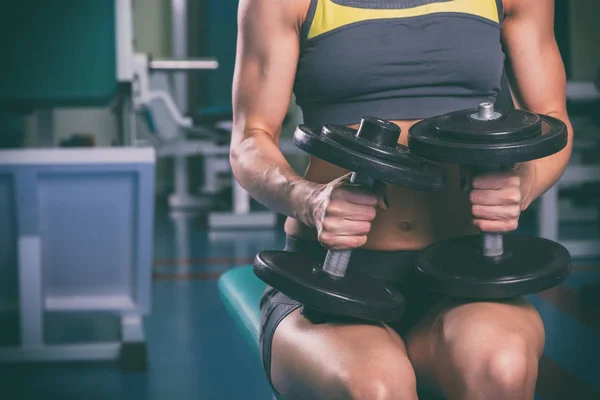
(393, 267)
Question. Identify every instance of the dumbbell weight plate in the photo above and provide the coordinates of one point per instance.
(459, 138)
(355, 295)
(404, 170)
(373, 154)
(456, 267)
(348, 137)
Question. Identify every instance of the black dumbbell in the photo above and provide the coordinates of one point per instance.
(490, 265)
(328, 287)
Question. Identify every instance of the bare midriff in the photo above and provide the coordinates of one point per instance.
(414, 220)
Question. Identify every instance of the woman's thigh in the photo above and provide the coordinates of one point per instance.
(344, 360)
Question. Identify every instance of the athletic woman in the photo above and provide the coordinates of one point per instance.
(400, 60)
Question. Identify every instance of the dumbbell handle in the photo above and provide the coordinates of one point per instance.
(336, 262)
(492, 244)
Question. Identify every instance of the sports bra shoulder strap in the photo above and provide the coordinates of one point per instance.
(309, 19)
(500, 7)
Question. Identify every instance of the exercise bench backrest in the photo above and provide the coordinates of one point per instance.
(57, 54)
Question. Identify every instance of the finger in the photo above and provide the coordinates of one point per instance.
(495, 213)
(355, 195)
(507, 196)
(350, 211)
(344, 242)
(496, 226)
(344, 227)
(495, 181)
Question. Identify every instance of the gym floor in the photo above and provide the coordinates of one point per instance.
(195, 351)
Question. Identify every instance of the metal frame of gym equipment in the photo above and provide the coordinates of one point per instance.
(38, 183)
(35, 184)
(551, 209)
(170, 131)
(163, 103)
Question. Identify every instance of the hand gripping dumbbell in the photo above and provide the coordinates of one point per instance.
(328, 288)
(490, 265)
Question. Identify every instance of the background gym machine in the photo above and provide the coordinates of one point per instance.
(161, 93)
(76, 238)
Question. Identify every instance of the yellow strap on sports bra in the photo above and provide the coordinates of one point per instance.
(330, 16)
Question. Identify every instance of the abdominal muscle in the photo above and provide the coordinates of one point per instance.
(414, 220)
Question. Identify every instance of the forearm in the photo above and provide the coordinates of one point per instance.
(538, 176)
(262, 170)
(538, 83)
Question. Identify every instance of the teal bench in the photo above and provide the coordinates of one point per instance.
(240, 291)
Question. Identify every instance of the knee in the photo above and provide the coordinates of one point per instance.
(385, 381)
(511, 365)
(507, 364)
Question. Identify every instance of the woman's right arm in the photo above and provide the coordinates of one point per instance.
(267, 55)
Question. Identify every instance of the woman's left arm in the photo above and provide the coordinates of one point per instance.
(538, 84)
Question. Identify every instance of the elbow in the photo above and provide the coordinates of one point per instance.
(250, 150)
(568, 150)
(235, 159)
(242, 156)
(248, 146)
(236, 152)
(565, 153)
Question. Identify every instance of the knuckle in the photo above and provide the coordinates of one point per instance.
(479, 224)
(324, 242)
(326, 225)
(370, 213)
(365, 227)
(515, 212)
(473, 197)
(372, 199)
(334, 208)
(515, 196)
(359, 241)
(323, 237)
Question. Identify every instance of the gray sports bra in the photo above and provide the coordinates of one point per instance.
(397, 59)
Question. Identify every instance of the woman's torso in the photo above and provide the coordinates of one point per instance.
(401, 60)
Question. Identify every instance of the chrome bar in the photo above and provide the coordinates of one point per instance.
(198, 64)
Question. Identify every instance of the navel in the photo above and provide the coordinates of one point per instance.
(406, 226)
